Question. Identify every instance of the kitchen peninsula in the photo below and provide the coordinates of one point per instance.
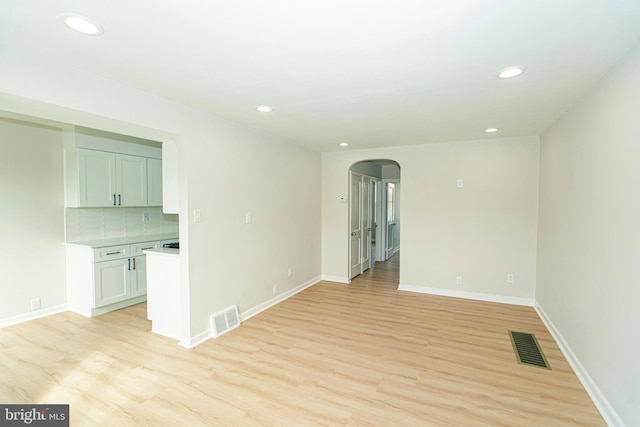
(163, 291)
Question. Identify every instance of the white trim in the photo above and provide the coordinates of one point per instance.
(116, 306)
(246, 315)
(607, 411)
(338, 279)
(196, 339)
(502, 299)
(33, 315)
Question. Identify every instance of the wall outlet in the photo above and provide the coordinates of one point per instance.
(35, 304)
(458, 280)
(509, 278)
(197, 217)
(460, 183)
(145, 216)
(290, 272)
(275, 289)
(248, 219)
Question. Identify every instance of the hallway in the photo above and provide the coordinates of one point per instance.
(384, 274)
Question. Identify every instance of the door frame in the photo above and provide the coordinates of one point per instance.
(385, 255)
(380, 208)
(355, 176)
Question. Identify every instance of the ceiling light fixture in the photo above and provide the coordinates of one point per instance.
(511, 72)
(344, 144)
(264, 108)
(82, 24)
(491, 130)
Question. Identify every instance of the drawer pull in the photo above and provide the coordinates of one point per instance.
(114, 253)
(144, 249)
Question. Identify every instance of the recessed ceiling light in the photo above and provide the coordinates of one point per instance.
(264, 108)
(491, 130)
(82, 24)
(344, 144)
(510, 72)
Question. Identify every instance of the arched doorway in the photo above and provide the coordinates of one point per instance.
(374, 213)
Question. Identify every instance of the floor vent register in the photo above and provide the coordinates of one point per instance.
(527, 350)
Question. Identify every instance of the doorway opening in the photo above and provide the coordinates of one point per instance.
(374, 214)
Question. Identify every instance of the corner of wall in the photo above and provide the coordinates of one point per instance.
(607, 411)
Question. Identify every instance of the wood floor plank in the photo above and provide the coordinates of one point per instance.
(362, 354)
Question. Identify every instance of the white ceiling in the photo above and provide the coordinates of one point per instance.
(372, 73)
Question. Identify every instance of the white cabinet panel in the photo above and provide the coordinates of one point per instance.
(154, 180)
(137, 248)
(111, 282)
(111, 252)
(170, 187)
(139, 276)
(97, 178)
(103, 179)
(131, 180)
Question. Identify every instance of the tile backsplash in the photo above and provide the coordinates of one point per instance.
(105, 223)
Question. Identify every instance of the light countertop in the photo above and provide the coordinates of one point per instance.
(116, 241)
(163, 252)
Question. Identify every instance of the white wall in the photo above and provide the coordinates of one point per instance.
(481, 232)
(589, 237)
(32, 263)
(224, 169)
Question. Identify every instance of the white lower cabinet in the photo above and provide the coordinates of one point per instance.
(104, 279)
(112, 282)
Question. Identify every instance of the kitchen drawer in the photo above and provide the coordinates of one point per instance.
(110, 252)
(137, 248)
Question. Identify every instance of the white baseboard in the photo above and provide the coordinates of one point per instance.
(337, 279)
(32, 315)
(609, 414)
(246, 315)
(502, 299)
(196, 339)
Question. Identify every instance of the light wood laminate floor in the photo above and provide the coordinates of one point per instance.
(363, 354)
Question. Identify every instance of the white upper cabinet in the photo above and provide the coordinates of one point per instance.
(170, 199)
(154, 182)
(131, 180)
(102, 172)
(96, 178)
(110, 179)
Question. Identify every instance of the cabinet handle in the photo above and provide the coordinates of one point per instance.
(119, 200)
(144, 249)
(129, 267)
(114, 253)
(134, 263)
(114, 200)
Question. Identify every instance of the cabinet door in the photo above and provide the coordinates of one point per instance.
(139, 276)
(131, 180)
(111, 282)
(97, 180)
(154, 174)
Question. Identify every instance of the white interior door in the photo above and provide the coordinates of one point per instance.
(355, 225)
(366, 221)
